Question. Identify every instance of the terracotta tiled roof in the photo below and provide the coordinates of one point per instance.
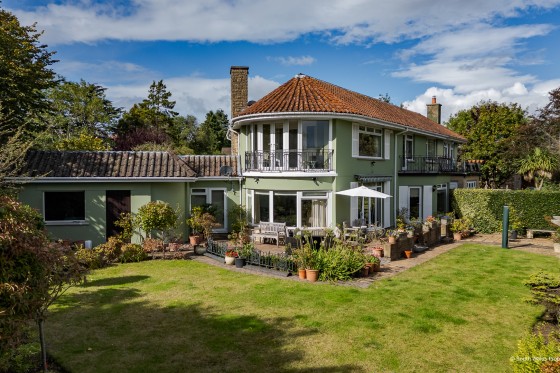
(309, 95)
(213, 165)
(86, 164)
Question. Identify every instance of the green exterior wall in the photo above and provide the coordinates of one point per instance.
(174, 193)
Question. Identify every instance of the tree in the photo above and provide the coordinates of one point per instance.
(24, 77)
(538, 166)
(33, 274)
(79, 107)
(155, 111)
(211, 134)
(12, 155)
(82, 141)
(490, 128)
(182, 132)
(545, 125)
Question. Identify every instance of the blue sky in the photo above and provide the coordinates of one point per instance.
(460, 51)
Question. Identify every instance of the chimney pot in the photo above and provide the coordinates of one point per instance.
(434, 100)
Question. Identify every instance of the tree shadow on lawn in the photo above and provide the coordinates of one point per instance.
(122, 280)
(110, 330)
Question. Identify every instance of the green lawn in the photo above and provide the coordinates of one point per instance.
(462, 311)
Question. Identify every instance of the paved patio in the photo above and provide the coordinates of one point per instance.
(542, 246)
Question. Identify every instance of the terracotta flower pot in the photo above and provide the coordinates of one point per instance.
(195, 239)
(379, 252)
(392, 240)
(457, 236)
(312, 275)
(365, 271)
(408, 254)
(301, 274)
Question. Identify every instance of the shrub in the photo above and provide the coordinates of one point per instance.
(151, 245)
(340, 262)
(158, 216)
(109, 251)
(533, 352)
(89, 258)
(131, 252)
(484, 207)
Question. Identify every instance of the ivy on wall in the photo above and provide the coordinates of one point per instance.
(485, 207)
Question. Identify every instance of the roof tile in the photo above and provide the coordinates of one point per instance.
(306, 94)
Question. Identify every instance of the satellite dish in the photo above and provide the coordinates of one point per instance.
(226, 171)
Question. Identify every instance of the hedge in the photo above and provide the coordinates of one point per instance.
(484, 207)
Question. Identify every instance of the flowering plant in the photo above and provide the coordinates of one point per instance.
(232, 253)
(430, 219)
(392, 233)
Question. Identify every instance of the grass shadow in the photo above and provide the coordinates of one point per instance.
(111, 330)
(122, 280)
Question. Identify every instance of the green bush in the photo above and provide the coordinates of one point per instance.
(89, 258)
(340, 262)
(533, 352)
(131, 252)
(484, 207)
(110, 250)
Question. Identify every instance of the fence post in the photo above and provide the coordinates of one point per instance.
(505, 227)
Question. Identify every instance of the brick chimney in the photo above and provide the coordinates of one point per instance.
(239, 76)
(434, 111)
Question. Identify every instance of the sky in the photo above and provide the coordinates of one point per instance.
(461, 51)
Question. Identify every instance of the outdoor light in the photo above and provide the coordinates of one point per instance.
(434, 188)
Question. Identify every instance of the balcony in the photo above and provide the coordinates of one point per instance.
(436, 165)
(289, 161)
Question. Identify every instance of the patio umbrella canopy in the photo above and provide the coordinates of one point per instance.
(363, 191)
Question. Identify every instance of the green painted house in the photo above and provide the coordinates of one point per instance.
(292, 151)
(81, 194)
(308, 139)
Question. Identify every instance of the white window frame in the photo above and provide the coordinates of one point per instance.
(208, 194)
(408, 143)
(358, 128)
(300, 196)
(420, 202)
(470, 184)
(64, 222)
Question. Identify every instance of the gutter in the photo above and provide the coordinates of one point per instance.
(396, 173)
(238, 121)
(40, 180)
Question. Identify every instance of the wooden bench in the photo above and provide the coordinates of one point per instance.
(272, 231)
(530, 232)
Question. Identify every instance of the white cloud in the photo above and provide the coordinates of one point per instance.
(452, 101)
(345, 21)
(294, 61)
(193, 95)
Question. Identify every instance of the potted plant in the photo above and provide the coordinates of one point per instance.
(392, 236)
(201, 222)
(194, 222)
(243, 254)
(230, 256)
(460, 228)
(300, 259)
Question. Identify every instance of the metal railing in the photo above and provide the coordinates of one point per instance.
(435, 165)
(319, 160)
(278, 261)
